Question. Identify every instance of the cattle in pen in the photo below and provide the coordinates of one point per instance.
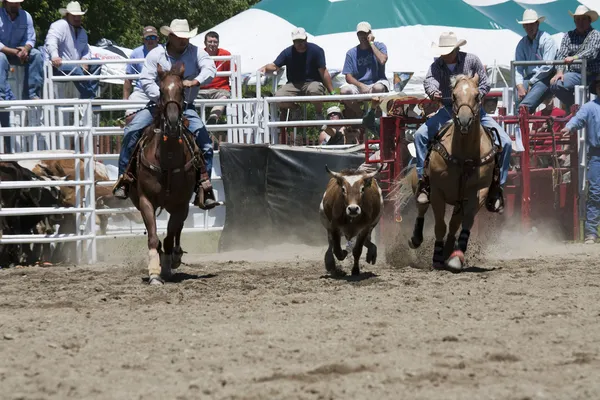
(351, 207)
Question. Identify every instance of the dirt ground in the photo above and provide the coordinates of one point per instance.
(268, 325)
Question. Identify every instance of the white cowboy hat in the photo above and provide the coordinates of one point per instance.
(179, 28)
(530, 17)
(73, 8)
(447, 43)
(583, 10)
(15, 1)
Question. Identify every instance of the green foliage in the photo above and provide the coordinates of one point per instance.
(122, 20)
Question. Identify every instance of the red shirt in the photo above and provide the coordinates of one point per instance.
(220, 82)
(555, 112)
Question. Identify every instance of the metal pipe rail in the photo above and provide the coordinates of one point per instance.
(38, 184)
(12, 212)
(70, 237)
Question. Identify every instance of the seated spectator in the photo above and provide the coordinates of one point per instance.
(549, 110)
(334, 134)
(306, 71)
(533, 81)
(583, 42)
(67, 40)
(150, 41)
(219, 87)
(364, 67)
(17, 41)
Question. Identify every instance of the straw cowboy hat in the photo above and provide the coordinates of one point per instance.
(179, 28)
(15, 1)
(531, 17)
(583, 10)
(334, 110)
(73, 8)
(447, 43)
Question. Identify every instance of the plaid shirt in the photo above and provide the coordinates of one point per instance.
(437, 80)
(585, 46)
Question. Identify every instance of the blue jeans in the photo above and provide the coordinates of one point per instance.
(536, 93)
(592, 206)
(564, 89)
(87, 89)
(144, 118)
(34, 74)
(429, 129)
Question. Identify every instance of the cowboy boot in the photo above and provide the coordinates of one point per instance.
(422, 193)
(495, 199)
(205, 196)
(121, 188)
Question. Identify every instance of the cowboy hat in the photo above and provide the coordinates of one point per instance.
(391, 100)
(72, 8)
(583, 10)
(179, 28)
(530, 16)
(334, 110)
(447, 43)
(15, 1)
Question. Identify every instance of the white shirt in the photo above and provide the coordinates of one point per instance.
(62, 42)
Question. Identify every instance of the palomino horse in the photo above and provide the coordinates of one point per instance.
(167, 160)
(460, 167)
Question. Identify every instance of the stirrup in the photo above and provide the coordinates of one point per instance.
(495, 200)
(120, 189)
(422, 193)
(205, 199)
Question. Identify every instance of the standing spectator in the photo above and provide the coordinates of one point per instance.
(534, 81)
(589, 115)
(219, 88)
(67, 40)
(583, 42)
(365, 67)
(306, 71)
(17, 39)
(150, 41)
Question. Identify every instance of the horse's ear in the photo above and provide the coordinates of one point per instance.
(181, 70)
(159, 71)
(476, 78)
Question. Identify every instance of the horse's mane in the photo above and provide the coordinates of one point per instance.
(454, 80)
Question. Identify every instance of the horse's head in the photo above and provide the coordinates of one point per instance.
(466, 101)
(171, 98)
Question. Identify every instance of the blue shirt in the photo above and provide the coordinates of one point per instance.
(63, 41)
(542, 47)
(138, 52)
(197, 63)
(364, 66)
(588, 115)
(16, 33)
(302, 67)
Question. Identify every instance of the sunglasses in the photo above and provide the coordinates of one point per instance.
(153, 37)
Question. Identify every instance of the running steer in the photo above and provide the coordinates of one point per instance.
(351, 206)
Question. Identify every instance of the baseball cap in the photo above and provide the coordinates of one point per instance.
(363, 27)
(299, 34)
(149, 31)
(333, 110)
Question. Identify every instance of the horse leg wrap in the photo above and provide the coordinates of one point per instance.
(438, 254)
(417, 236)
(463, 240)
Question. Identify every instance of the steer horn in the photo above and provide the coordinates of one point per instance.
(372, 174)
(336, 175)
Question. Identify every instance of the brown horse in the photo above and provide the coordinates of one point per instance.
(167, 159)
(460, 168)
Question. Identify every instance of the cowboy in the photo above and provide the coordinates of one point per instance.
(17, 39)
(364, 67)
(150, 41)
(533, 81)
(67, 40)
(199, 70)
(219, 88)
(589, 115)
(452, 62)
(306, 72)
(583, 42)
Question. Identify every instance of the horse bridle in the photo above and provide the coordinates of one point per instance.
(167, 128)
(475, 112)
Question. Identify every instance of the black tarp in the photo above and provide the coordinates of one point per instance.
(273, 193)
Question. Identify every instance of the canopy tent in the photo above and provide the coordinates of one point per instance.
(407, 27)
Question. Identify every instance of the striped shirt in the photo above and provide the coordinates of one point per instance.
(438, 77)
(585, 46)
(16, 33)
(63, 41)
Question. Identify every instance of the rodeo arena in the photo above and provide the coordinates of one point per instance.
(333, 199)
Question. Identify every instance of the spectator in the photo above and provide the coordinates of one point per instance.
(589, 115)
(534, 81)
(17, 39)
(219, 88)
(150, 41)
(306, 72)
(67, 40)
(334, 134)
(549, 110)
(583, 42)
(364, 67)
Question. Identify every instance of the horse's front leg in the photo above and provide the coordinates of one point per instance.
(147, 210)
(456, 261)
(453, 226)
(417, 236)
(439, 210)
(173, 252)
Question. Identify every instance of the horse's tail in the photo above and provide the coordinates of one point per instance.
(404, 188)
